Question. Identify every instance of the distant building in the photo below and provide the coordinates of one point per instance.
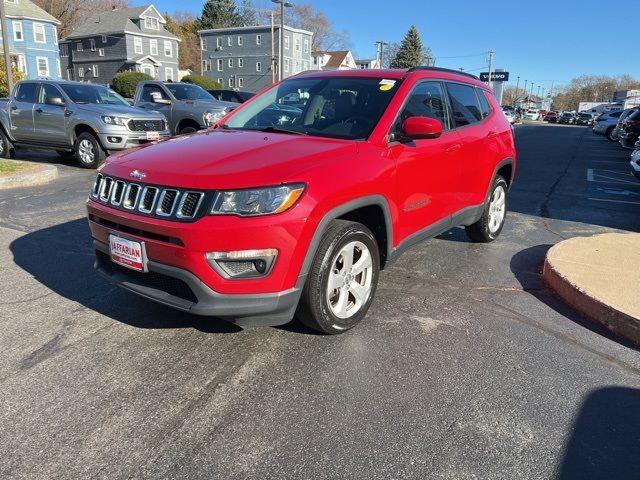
(33, 39)
(338, 60)
(242, 57)
(129, 39)
(368, 63)
(627, 98)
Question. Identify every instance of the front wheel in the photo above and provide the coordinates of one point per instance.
(88, 151)
(6, 148)
(491, 222)
(342, 280)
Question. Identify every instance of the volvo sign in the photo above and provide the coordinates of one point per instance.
(495, 76)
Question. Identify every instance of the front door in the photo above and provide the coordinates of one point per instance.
(49, 120)
(427, 169)
(21, 111)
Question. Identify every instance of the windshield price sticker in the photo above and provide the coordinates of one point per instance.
(386, 84)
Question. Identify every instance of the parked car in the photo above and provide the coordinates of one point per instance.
(605, 123)
(252, 222)
(510, 114)
(73, 118)
(551, 117)
(532, 114)
(188, 107)
(630, 129)
(235, 96)
(567, 118)
(617, 130)
(635, 160)
(583, 119)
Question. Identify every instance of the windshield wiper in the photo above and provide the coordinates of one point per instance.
(281, 130)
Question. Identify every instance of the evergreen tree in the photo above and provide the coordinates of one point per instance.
(219, 14)
(411, 51)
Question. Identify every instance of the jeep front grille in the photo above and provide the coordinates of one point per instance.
(148, 200)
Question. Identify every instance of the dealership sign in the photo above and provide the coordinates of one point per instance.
(495, 76)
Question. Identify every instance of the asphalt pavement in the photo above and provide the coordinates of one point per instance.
(467, 366)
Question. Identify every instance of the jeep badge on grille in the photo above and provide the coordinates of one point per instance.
(138, 174)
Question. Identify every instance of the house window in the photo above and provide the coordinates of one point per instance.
(101, 52)
(79, 47)
(137, 44)
(80, 72)
(258, 67)
(55, 34)
(306, 46)
(206, 65)
(58, 68)
(306, 66)
(203, 44)
(240, 82)
(286, 42)
(94, 69)
(220, 65)
(231, 63)
(168, 74)
(154, 46)
(258, 39)
(104, 39)
(64, 50)
(43, 66)
(38, 33)
(168, 49)
(287, 64)
(231, 82)
(152, 23)
(239, 41)
(229, 41)
(22, 63)
(297, 44)
(240, 62)
(219, 42)
(18, 36)
(220, 81)
(92, 42)
(69, 73)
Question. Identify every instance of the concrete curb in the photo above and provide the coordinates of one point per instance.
(42, 174)
(583, 296)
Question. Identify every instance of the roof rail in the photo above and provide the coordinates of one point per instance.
(440, 69)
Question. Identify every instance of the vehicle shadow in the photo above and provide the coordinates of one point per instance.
(61, 258)
(605, 438)
(526, 266)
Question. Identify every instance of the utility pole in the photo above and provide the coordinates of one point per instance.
(380, 44)
(5, 45)
(530, 95)
(515, 95)
(491, 54)
(281, 42)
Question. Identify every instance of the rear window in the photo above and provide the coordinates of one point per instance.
(635, 115)
(615, 114)
(464, 103)
(27, 92)
(485, 107)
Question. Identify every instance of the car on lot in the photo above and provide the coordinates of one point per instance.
(73, 118)
(252, 222)
(605, 123)
(583, 119)
(188, 107)
(532, 114)
(617, 130)
(510, 114)
(551, 117)
(567, 118)
(630, 129)
(635, 160)
(235, 96)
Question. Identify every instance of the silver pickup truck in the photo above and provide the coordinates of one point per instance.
(74, 118)
(188, 107)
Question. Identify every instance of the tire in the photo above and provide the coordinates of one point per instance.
(609, 134)
(338, 310)
(88, 151)
(491, 222)
(6, 147)
(187, 129)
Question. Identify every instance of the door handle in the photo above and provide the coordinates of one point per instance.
(68, 113)
(492, 134)
(39, 110)
(452, 148)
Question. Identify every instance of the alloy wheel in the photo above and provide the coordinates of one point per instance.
(497, 208)
(350, 280)
(86, 152)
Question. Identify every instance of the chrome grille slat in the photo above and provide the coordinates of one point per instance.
(96, 185)
(117, 192)
(131, 196)
(105, 189)
(189, 204)
(148, 199)
(166, 202)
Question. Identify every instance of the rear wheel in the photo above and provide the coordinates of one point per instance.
(88, 151)
(342, 280)
(610, 135)
(6, 148)
(491, 222)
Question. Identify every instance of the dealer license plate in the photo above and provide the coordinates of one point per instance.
(128, 253)
(152, 136)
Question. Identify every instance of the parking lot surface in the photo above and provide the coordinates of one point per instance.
(467, 366)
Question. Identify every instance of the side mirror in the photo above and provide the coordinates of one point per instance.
(156, 97)
(416, 128)
(57, 101)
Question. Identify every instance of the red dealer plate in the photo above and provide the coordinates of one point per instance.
(153, 136)
(128, 253)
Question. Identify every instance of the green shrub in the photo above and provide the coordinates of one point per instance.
(125, 83)
(16, 74)
(202, 81)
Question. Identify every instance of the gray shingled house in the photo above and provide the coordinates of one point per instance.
(128, 39)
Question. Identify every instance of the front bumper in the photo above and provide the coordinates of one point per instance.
(180, 289)
(121, 140)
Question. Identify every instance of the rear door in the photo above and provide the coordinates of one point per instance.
(50, 120)
(21, 111)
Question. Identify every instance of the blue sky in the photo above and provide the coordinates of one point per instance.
(539, 41)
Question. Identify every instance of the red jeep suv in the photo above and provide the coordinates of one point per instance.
(296, 199)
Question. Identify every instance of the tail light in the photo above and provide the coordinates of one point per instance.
(633, 122)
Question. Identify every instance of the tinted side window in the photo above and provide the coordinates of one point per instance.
(147, 90)
(48, 90)
(464, 103)
(27, 92)
(485, 107)
(616, 114)
(634, 115)
(426, 100)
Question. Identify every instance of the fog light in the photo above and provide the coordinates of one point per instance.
(114, 139)
(242, 263)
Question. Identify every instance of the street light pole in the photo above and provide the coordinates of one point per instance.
(515, 95)
(5, 47)
(281, 42)
(491, 54)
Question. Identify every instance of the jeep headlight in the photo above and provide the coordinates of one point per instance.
(212, 117)
(110, 120)
(257, 201)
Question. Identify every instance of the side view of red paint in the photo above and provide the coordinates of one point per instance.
(298, 198)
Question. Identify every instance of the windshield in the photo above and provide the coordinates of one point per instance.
(335, 107)
(185, 91)
(87, 93)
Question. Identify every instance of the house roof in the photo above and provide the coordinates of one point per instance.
(28, 9)
(252, 27)
(336, 58)
(116, 21)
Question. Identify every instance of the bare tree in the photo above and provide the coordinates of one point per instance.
(591, 88)
(72, 13)
(184, 25)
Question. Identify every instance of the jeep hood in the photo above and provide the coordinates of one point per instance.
(118, 110)
(217, 159)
